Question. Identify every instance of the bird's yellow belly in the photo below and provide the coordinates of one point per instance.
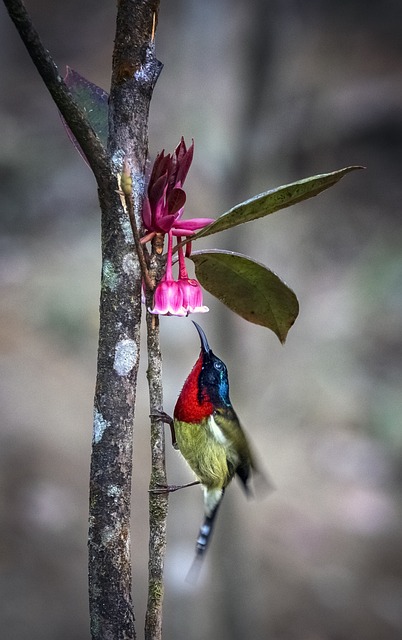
(206, 456)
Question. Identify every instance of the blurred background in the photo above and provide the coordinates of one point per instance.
(271, 92)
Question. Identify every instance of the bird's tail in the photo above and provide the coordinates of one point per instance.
(205, 534)
(204, 537)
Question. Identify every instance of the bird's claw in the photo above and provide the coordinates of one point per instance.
(164, 488)
(165, 417)
(170, 488)
(161, 415)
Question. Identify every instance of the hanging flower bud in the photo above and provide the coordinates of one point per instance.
(177, 297)
(191, 288)
(192, 295)
(168, 299)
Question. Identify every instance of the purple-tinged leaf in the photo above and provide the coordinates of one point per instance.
(184, 161)
(248, 288)
(161, 167)
(157, 189)
(93, 101)
(274, 200)
(176, 200)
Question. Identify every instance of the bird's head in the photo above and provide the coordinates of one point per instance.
(206, 388)
(213, 378)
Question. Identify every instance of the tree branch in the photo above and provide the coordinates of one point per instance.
(71, 112)
(112, 615)
(135, 71)
(158, 502)
(127, 194)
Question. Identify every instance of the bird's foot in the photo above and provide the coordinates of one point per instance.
(165, 417)
(161, 415)
(170, 488)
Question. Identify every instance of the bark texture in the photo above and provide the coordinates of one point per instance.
(135, 71)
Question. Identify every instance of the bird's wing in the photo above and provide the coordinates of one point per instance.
(230, 426)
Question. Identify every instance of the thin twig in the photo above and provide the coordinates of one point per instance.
(139, 247)
(158, 503)
(127, 194)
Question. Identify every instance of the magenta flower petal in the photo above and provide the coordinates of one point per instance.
(186, 227)
(158, 212)
(196, 223)
(168, 299)
(192, 295)
(165, 223)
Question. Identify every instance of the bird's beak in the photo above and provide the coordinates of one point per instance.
(204, 342)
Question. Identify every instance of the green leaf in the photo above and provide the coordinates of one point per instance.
(273, 200)
(248, 288)
(92, 99)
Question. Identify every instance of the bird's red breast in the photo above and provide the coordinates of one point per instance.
(188, 407)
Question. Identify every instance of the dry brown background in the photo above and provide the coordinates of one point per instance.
(272, 91)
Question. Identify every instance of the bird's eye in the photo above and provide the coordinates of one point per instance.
(218, 365)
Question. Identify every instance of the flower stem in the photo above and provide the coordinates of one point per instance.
(168, 273)
(182, 262)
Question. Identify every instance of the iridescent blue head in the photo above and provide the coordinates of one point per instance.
(213, 378)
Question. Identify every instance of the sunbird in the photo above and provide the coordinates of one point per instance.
(208, 434)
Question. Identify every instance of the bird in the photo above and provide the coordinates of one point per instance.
(207, 432)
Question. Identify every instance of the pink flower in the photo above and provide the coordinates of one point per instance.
(192, 295)
(168, 296)
(164, 203)
(177, 297)
(168, 299)
(191, 288)
(162, 211)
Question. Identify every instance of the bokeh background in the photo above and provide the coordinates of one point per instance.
(271, 91)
